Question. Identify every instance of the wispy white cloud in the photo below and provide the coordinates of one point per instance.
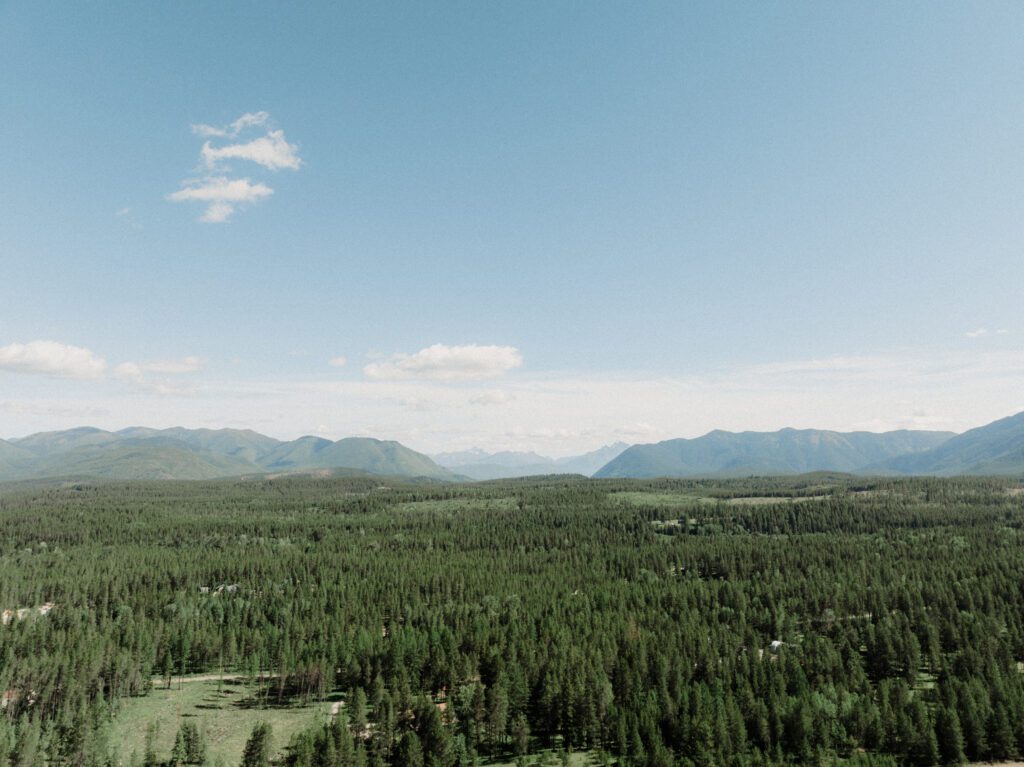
(248, 120)
(217, 213)
(129, 371)
(447, 363)
(126, 215)
(270, 151)
(337, 362)
(51, 358)
(982, 332)
(221, 195)
(139, 375)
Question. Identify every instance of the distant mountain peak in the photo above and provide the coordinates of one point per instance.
(479, 464)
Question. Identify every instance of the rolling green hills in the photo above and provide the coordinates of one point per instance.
(299, 453)
(52, 442)
(243, 444)
(139, 459)
(372, 455)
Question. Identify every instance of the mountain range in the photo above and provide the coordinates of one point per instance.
(997, 448)
(141, 453)
(480, 465)
(178, 453)
(788, 451)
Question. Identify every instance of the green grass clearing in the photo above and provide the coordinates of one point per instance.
(225, 718)
(457, 505)
(659, 500)
(765, 500)
(925, 681)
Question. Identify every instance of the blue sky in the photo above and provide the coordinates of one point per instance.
(526, 225)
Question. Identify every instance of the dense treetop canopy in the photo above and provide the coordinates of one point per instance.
(656, 622)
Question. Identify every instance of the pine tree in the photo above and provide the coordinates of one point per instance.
(497, 715)
(357, 712)
(26, 752)
(409, 752)
(520, 735)
(342, 738)
(195, 744)
(327, 750)
(168, 667)
(179, 754)
(359, 754)
(301, 750)
(949, 736)
(973, 727)
(1000, 733)
(257, 748)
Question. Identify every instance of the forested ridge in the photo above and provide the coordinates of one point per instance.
(653, 623)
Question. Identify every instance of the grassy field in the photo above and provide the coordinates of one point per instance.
(662, 500)
(225, 718)
(767, 500)
(459, 505)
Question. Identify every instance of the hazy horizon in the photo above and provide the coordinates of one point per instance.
(471, 449)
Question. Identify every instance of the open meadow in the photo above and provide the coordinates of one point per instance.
(224, 711)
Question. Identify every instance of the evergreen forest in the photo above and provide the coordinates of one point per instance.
(818, 619)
